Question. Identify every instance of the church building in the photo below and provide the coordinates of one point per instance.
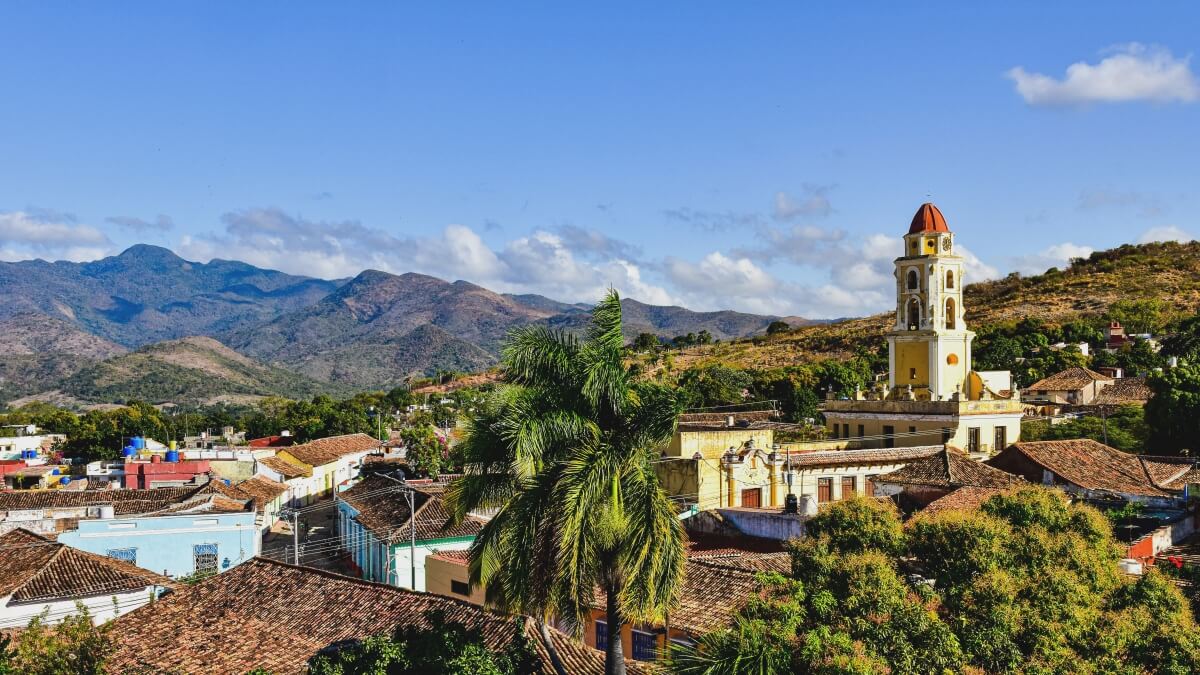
(932, 395)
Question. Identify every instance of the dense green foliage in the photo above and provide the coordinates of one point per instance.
(1173, 413)
(1027, 584)
(1123, 427)
(446, 648)
(565, 452)
(100, 434)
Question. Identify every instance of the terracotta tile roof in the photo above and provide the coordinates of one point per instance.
(966, 498)
(457, 557)
(326, 450)
(282, 467)
(277, 616)
(1095, 466)
(271, 442)
(868, 456)
(382, 506)
(717, 421)
(928, 218)
(125, 502)
(949, 468)
(741, 560)
(1124, 391)
(260, 489)
(36, 569)
(1071, 379)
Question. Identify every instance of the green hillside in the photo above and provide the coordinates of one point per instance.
(192, 370)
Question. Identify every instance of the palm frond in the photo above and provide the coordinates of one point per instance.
(654, 549)
(540, 356)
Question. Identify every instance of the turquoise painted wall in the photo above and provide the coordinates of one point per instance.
(167, 544)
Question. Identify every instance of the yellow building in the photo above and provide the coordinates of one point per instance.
(932, 394)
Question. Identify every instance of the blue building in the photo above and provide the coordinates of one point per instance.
(205, 538)
(374, 526)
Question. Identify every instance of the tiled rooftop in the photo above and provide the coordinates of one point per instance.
(1124, 391)
(382, 504)
(282, 467)
(1094, 466)
(1071, 379)
(326, 450)
(270, 615)
(949, 468)
(36, 569)
(868, 456)
(966, 498)
(125, 502)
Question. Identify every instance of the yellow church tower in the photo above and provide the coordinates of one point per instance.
(929, 348)
(932, 395)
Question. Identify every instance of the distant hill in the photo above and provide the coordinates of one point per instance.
(36, 349)
(372, 331)
(1168, 272)
(670, 321)
(194, 370)
(148, 294)
(378, 329)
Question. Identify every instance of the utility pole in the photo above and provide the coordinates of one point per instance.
(412, 531)
(294, 516)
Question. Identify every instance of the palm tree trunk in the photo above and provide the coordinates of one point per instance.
(614, 655)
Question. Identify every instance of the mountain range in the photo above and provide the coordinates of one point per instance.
(69, 328)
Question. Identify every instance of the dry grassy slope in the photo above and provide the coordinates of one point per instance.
(1168, 272)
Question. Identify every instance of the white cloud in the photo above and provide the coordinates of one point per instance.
(50, 235)
(812, 202)
(162, 223)
(572, 264)
(1132, 72)
(1058, 255)
(1165, 233)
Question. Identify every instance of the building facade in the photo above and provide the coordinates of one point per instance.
(932, 394)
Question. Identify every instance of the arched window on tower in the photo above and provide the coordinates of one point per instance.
(914, 314)
(951, 314)
(913, 282)
(949, 278)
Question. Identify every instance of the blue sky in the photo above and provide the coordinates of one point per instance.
(762, 158)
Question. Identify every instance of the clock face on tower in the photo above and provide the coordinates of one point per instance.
(945, 244)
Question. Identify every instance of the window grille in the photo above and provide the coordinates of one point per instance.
(601, 635)
(645, 646)
(204, 558)
(128, 555)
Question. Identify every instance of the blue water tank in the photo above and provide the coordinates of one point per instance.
(172, 455)
(64, 480)
(55, 472)
(138, 443)
(128, 451)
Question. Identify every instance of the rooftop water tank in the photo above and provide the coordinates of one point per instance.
(107, 511)
(55, 472)
(172, 455)
(138, 443)
(64, 480)
(128, 451)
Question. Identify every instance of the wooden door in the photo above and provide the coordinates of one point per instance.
(824, 490)
(849, 487)
(752, 497)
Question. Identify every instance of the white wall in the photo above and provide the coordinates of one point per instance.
(100, 607)
(401, 572)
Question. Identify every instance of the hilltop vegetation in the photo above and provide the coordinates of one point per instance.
(189, 371)
(1166, 274)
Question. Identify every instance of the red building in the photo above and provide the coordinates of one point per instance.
(142, 474)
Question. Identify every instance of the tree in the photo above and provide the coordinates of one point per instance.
(778, 327)
(1027, 583)
(1137, 316)
(424, 452)
(445, 648)
(645, 342)
(565, 452)
(1185, 343)
(1173, 412)
(74, 645)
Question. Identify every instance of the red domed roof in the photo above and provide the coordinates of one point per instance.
(928, 219)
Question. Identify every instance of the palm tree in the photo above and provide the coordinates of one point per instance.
(566, 452)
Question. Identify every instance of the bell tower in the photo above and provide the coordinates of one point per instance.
(929, 347)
